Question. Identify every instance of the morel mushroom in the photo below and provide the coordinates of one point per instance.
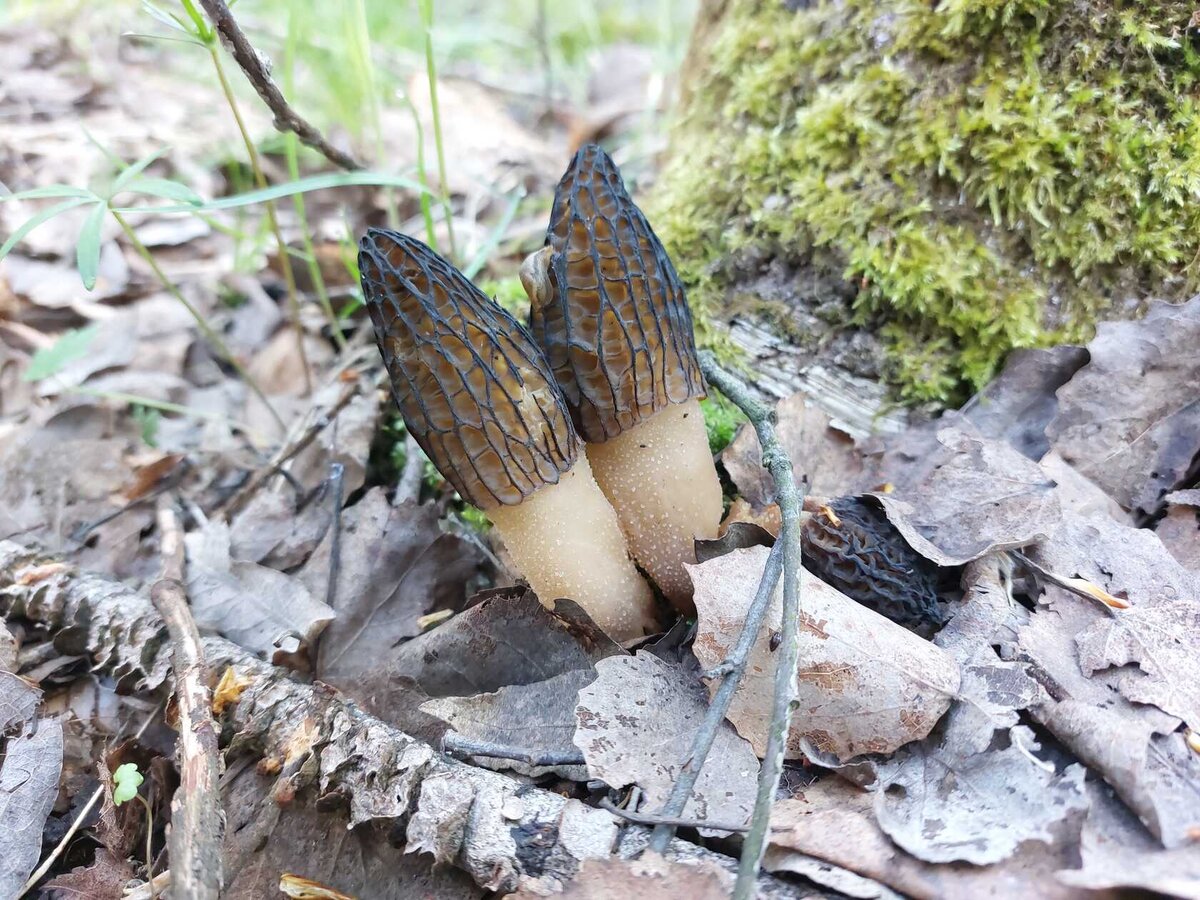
(477, 396)
(850, 544)
(611, 316)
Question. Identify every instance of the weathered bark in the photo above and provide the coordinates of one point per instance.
(502, 832)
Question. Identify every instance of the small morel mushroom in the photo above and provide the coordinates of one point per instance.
(611, 316)
(477, 396)
(850, 544)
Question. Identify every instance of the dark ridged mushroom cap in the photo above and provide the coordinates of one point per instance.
(474, 389)
(615, 328)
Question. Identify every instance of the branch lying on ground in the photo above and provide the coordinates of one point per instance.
(514, 835)
(249, 61)
(790, 499)
(784, 559)
(196, 820)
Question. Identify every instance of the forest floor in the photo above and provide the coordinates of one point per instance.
(183, 403)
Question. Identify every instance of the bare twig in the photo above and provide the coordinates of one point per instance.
(648, 819)
(390, 779)
(289, 451)
(40, 872)
(461, 746)
(790, 499)
(783, 558)
(196, 821)
(337, 482)
(409, 486)
(248, 60)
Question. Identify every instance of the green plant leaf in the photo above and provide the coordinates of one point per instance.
(165, 188)
(52, 190)
(126, 781)
(34, 221)
(147, 420)
(495, 236)
(70, 346)
(289, 189)
(133, 170)
(87, 250)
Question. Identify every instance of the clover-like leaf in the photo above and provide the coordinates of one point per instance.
(126, 781)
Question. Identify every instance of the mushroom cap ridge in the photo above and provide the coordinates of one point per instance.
(616, 328)
(474, 389)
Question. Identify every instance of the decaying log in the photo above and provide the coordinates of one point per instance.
(503, 832)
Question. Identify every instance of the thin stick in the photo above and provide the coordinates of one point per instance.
(408, 488)
(260, 181)
(248, 60)
(638, 818)
(205, 329)
(337, 472)
(196, 820)
(286, 453)
(791, 500)
(784, 557)
(730, 672)
(461, 746)
(40, 872)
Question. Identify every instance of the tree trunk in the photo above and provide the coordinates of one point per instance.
(902, 191)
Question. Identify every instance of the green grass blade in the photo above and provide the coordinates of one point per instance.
(44, 216)
(290, 189)
(130, 172)
(72, 345)
(87, 250)
(494, 238)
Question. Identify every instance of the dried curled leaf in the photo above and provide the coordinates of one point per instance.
(851, 545)
(473, 389)
(615, 326)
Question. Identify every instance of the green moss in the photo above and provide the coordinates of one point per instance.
(992, 173)
(721, 418)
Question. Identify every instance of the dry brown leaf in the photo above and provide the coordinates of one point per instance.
(1161, 630)
(1179, 530)
(974, 790)
(1118, 852)
(1130, 419)
(18, 702)
(650, 877)
(106, 877)
(1136, 747)
(866, 685)
(1076, 493)
(970, 496)
(263, 610)
(394, 565)
(1018, 404)
(834, 821)
(821, 453)
(29, 775)
(266, 838)
(537, 717)
(635, 725)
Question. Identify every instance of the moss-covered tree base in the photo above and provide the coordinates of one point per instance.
(955, 177)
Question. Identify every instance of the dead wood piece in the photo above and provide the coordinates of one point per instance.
(499, 830)
(196, 821)
(253, 65)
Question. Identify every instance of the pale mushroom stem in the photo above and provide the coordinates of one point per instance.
(660, 478)
(565, 539)
(480, 400)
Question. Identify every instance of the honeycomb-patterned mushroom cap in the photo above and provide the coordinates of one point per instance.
(472, 386)
(615, 328)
